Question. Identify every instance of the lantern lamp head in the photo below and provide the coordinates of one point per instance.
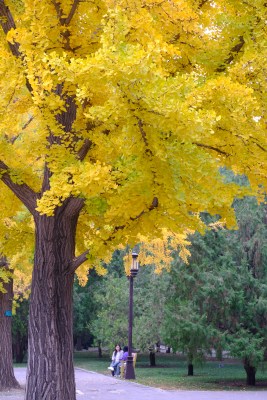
(135, 264)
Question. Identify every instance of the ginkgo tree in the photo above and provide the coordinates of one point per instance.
(16, 250)
(7, 377)
(115, 118)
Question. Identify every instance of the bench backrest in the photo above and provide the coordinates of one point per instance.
(134, 358)
(123, 364)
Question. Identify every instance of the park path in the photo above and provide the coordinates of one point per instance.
(94, 386)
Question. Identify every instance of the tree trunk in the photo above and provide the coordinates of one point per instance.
(99, 350)
(19, 349)
(7, 377)
(251, 373)
(50, 374)
(219, 353)
(152, 359)
(20, 331)
(190, 359)
(78, 345)
(190, 370)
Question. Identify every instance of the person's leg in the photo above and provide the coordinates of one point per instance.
(117, 369)
(112, 367)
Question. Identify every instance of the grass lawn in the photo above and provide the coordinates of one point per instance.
(171, 372)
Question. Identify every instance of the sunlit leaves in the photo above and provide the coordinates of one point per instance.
(163, 92)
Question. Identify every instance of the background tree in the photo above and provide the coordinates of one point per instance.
(20, 329)
(84, 309)
(110, 321)
(219, 299)
(185, 327)
(118, 131)
(249, 341)
(15, 246)
(7, 377)
(149, 303)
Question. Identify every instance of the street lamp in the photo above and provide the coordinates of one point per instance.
(129, 372)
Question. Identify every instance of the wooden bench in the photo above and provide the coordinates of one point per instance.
(123, 364)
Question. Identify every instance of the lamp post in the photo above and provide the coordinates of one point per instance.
(129, 372)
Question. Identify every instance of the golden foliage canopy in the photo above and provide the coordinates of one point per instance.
(132, 106)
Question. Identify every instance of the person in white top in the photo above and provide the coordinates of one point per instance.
(115, 360)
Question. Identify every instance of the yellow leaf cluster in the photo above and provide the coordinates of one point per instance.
(160, 93)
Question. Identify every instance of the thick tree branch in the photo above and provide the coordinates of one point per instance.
(77, 261)
(3, 261)
(73, 205)
(84, 149)
(23, 192)
(46, 178)
(7, 22)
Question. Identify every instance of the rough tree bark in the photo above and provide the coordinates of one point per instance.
(7, 377)
(50, 374)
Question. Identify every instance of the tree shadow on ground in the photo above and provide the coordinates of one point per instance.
(241, 384)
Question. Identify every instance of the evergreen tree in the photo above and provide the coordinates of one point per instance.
(220, 299)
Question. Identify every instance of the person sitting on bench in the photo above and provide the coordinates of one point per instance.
(115, 361)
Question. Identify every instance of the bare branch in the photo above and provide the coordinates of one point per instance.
(141, 128)
(58, 8)
(28, 123)
(233, 52)
(259, 146)
(72, 12)
(202, 3)
(14, 138)
(66, 21)
(212, 148)
(153, 205)
(23, 192)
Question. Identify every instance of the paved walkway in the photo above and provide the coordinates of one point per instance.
(93, 386)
